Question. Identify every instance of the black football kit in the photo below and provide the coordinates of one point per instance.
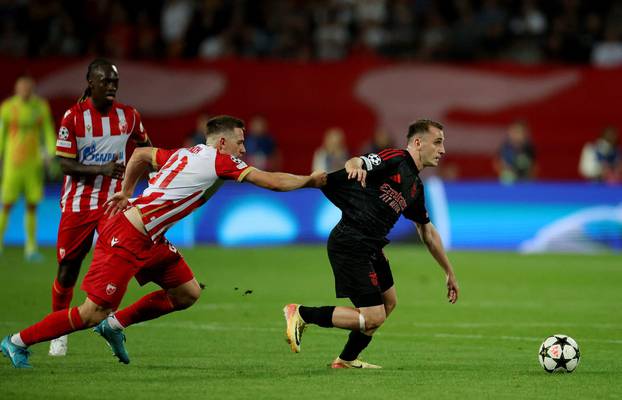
(368, 214)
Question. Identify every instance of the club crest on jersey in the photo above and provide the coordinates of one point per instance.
(240, 164)
(88, 128)
(63, 133)
(373, 278)
(61, 251)
(123, 127)
(110, 289)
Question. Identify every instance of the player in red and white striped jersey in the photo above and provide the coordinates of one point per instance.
(132, 243)
(91, 147)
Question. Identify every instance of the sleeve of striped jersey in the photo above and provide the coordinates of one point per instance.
(160, 156)
(231, 167)
(385, 160)
(66, 144)
(139, 133)
(417, 211)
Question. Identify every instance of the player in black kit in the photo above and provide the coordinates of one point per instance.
(372, 192)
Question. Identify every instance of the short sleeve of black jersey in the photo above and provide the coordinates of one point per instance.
(417, 211)
(336, 178)
(385, 160)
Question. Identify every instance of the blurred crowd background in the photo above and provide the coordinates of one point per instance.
(526, 31)
(508, 78)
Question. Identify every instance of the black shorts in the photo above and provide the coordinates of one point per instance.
(361, 271)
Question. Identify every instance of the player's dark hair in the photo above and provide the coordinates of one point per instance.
(223, 123)
(96, 63)
(422, 126)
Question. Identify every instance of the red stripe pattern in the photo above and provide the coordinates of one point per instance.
(185, 182)
(95, 139)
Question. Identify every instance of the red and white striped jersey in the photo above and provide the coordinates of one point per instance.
(94, 139)
(186, 179)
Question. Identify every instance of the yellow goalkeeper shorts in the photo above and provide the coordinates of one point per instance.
(28, 181)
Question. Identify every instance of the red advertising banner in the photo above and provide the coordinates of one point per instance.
(564, 106)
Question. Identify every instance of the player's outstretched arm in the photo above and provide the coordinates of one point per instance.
(284, 182)
(429, 235)
(139, 163)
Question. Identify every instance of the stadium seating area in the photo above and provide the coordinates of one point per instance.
(570, 31)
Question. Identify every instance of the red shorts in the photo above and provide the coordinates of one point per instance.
(75, 234)
(122, 252)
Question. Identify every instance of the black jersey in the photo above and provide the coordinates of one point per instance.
(393, 188)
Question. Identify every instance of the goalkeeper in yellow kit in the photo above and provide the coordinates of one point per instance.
(25, 122)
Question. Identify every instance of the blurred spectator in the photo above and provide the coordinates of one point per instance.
(371, 16)
(176, 16)
(147, 36)
(198, 135)
(530, 21)
(601, 160)
(608, 53)
(402, 31)
(333, 154)
(436, 36)
(261, 149)
(331, 36)
(120, 38)
(516, 158)
(523, 30)
(380, 140)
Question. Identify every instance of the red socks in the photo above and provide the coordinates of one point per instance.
(61, 296)
(148, 307)
(56, 324)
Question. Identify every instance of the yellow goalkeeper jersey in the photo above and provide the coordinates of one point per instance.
(24, 125)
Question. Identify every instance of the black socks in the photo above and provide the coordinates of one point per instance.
(322, 316)
(357, 341)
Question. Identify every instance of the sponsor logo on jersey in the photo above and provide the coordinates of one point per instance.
(239, 163)
(392, 197)
(110, 289)
(89, 154)
(63, 143)
(63, 133)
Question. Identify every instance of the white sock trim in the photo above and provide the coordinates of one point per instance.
(361, 322)
(114, 323)
(16, 339)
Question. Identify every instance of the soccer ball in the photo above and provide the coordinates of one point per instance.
(559, 353)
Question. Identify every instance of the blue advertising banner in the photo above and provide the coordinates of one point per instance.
(529, 217)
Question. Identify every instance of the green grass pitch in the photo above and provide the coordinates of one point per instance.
(230, 345)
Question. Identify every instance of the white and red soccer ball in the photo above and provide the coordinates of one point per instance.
(559, 353)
